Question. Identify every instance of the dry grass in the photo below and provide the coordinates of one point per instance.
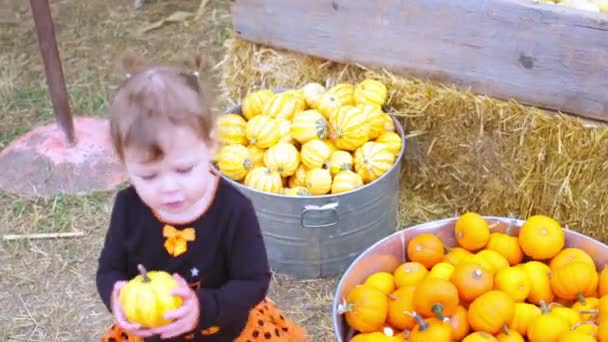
(47, 290)
(464, 152)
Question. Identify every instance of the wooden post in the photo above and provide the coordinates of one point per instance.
(52, 65)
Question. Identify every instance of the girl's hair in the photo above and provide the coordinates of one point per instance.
(156, 98)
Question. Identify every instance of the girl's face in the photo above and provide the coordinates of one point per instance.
(178, 182)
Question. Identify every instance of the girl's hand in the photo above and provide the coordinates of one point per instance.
(185, 317)
(119, 316)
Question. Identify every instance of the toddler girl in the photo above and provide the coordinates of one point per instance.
(179, 216)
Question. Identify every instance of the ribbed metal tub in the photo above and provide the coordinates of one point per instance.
(388, 253)
(319, 236)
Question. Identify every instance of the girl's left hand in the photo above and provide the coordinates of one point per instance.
(185, 317)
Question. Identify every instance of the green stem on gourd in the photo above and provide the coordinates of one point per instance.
(506, 329)
(421, 322)
(581, 299)
(143, 272)
(544, 307)
(438, 311)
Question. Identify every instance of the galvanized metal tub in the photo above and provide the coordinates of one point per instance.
(388, 253)
(319, 236)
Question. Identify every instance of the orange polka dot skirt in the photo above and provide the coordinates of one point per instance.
(265, 323)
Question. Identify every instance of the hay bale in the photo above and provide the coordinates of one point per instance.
(465, 152)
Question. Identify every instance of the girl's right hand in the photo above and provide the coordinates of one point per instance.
(119, 316)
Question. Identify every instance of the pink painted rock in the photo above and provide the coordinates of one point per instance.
(42, 162)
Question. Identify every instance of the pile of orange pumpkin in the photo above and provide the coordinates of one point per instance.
(493, 286)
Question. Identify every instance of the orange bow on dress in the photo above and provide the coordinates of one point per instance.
(177, 240)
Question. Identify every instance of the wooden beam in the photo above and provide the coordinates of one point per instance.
(542, 55)
(52, 66)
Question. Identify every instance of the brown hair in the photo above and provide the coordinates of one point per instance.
(156, 98)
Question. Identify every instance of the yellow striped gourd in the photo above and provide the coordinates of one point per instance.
(257, 155)
(231, 129)
(345, 92)
(284, 130)
(234, 161)
(298, 94)
(318, 181)
(297, 191)
(375, 119)
(329, 104)
(372, 160)
(254, 103)
(314, 154)
(282, 158)
(389, 125)
(262, 131)
(346, 181)
(392, 140)
(312, 94)
(299, 178)
(340, 161)
(349, 128)
(309, 125)
(263, 179)
(282, 105)
(370, 91)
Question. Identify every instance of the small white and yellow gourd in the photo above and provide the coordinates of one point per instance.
(263, 179)
(312, 94)
(231, 129)
(340, 161)
(315, 154)
(234, 161)
(284, 130)
(283, 158)
(282, 105)
(349, 128)
(345, 92)
(257, 155)
(318, 181)
(254, 103)
(370, 91)
(389, 125)
(392, 140)
(297, 191)
(298, 95)
(375, 119)
(346, 181)
(299, 178)
(372, 160)
(262, 131)
(309, 125)
(329, 104)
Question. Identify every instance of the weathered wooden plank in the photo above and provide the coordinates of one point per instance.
(547, 56)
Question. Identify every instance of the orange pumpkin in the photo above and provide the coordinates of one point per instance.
(567, 255)
(471, 280)
(586, 307)
(365, 308)
(400, 307)
(491, 311)
(442, 270)
(602, 310)
(435, 297)
(459, 323)
(480, 336)
(509, 335)
(383, 281)
(431, 330)
(507, 246)
(576, 336)
(523, 315)
(541, 237)
(482, 262)
(575, 280)
(426, 249)
(409, 273)
(456, 255)
(602, 288)
(571, 316)
(540, 283)
(546, 327)
(587, 328)
(472, 231)
(514, 281)
(602, 330)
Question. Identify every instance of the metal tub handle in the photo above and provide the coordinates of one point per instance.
(331, 207)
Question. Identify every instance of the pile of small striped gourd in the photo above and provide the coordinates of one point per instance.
(309, 141)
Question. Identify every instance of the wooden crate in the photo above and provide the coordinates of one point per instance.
(543, 55)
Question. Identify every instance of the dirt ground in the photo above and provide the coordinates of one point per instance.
(47, 289)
